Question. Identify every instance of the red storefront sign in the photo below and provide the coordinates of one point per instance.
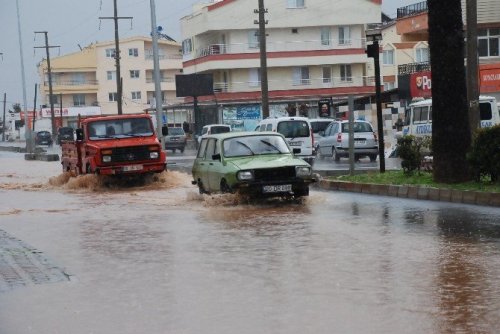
(421, 84)
(489, 80)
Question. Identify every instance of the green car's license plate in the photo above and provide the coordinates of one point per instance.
(277, 189)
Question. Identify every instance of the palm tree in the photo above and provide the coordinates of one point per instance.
(451, 138)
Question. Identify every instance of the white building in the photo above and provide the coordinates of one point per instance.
(86, 80)
(315, 50)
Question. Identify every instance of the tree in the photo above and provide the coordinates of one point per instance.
(16, 107)
(451, 137)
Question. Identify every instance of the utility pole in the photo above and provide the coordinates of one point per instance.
(3, 124)
(373, 51)
(60, 109)
(49, 72)
(156, 74)
(263, 58)
(119, 86)
(27, 134)
(34, 110)
(472, 65)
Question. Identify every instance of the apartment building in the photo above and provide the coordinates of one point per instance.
(84, 82)
(405, 64)
(315, 52)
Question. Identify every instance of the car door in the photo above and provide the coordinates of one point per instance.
(214, 166)
(327, 142)
(200, 164)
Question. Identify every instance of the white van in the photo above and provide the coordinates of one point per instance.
(418, 116)
(212, 129)
(297, 131)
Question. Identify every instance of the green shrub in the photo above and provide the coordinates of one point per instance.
(411, 150)
(484, 156)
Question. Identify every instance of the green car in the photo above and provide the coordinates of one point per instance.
(255, 163)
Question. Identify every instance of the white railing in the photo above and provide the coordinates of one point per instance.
(316, 83)
(163, 57)
(151, 80)
(314, 45)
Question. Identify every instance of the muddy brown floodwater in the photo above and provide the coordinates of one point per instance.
(83, 255)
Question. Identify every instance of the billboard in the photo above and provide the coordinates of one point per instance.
(421, 84)
(324, 108)
(194, 85)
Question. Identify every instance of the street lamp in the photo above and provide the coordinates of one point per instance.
(373, 51)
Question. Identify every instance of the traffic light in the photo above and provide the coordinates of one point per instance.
(372, 50)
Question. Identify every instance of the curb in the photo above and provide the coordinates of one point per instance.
(41, 156)
(415, 192)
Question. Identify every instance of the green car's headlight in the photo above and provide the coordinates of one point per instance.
(245, 175)
(302, 171)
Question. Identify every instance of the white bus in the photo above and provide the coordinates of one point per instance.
(418, 116)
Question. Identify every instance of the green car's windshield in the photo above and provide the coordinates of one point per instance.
(254, 145)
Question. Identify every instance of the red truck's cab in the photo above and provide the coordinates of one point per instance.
(114, 145)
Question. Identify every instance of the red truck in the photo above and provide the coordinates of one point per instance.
(124, 145)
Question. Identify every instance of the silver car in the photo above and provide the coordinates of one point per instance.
(335, 141)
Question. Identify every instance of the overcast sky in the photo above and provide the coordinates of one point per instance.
(74, 23)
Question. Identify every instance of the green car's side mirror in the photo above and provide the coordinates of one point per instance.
(216, 156)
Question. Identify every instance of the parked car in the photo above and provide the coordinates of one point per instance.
(254, 163)
(297, 131)
(43, 138)
(213, 129)
(318, 126)
(175, 139)
(64, 133)
(335, 141)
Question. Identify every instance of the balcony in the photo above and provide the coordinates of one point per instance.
(152, 80)
(411, 10)
(276, 85)
(280, 46)
(164, 57)
(413, 68)
(71, 83)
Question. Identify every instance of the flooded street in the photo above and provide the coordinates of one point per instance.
(78, 256)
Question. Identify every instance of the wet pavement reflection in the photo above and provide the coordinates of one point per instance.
(161, 258)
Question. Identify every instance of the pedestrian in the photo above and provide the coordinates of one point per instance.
(185, 127)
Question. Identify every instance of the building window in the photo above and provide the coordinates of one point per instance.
(78, 100)
(113, 97)
(134, 74)
(187, 46)
(301, 76)
(389, 85)
(136, 95)
(345, 73)
(110, 53)
(489, 42)
(78, 78)
(133, 52)
(55, 99)
(421, 55)
(253, 39)
(388, 57)
(327, 74)
(254, 77)
(111, 75)
(325, 36)
(344, 35)
(295, 3)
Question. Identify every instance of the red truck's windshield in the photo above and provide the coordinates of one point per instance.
(120, 128)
